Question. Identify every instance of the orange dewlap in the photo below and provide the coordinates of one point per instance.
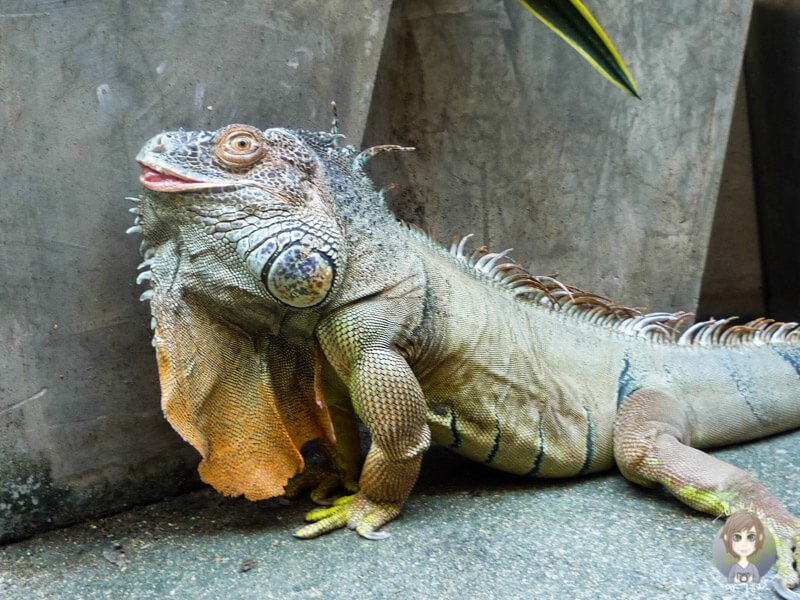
(220, 390)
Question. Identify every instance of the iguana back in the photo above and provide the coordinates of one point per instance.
(546, 404)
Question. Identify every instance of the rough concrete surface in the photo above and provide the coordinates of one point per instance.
(773, 94)
(733, 279)
(523, 144)
(84, 84)
(466, 532)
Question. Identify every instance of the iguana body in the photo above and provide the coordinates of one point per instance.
(284, 293)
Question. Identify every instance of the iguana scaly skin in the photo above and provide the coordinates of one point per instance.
(285, 296)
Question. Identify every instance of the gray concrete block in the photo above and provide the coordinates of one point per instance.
(773, 94)
(522, 143)
(732, 280)
(84, 85)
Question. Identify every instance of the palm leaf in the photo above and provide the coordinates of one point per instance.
(570, 20)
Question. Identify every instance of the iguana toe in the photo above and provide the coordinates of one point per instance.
(367, 526)
(310, 478)
(324, 520)
(324, 492)
(335, 521)
(366, 516)
(322, 480)
(356, 512)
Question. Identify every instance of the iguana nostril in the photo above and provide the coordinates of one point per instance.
(159, 143)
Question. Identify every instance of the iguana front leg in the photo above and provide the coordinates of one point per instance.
(389, 400)
(651, 436)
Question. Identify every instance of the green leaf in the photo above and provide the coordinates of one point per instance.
(570, 20)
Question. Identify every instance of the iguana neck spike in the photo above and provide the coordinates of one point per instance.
(335, 124)
(384, 191)
(361, 159)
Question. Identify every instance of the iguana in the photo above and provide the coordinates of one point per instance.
(287, 299)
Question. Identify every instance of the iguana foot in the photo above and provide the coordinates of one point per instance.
(651, 435)
(787, 542)
(322, 480)
(356, 512)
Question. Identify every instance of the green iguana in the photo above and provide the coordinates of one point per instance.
(287, 299)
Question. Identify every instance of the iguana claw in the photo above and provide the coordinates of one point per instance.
(783, 591)
(374, 535)
(356, 512)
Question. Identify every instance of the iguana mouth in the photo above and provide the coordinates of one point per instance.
(165, 181)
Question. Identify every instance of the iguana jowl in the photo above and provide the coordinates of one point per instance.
(285, 296)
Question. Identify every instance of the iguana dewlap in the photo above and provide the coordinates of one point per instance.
(286, 296)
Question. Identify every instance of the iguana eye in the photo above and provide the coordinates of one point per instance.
(239, 146)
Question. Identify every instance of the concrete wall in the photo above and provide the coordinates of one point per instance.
(84, 84)
(524, 144)
(519, 141)
(773, 94)
(751, 268)
(733, 279)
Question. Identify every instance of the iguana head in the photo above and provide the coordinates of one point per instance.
(261, 194)
(244, 251)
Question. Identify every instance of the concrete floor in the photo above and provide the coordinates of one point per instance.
(466, 532)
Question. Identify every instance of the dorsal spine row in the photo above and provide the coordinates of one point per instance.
(547, 291)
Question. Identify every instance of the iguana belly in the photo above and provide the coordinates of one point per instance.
(493, 399)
